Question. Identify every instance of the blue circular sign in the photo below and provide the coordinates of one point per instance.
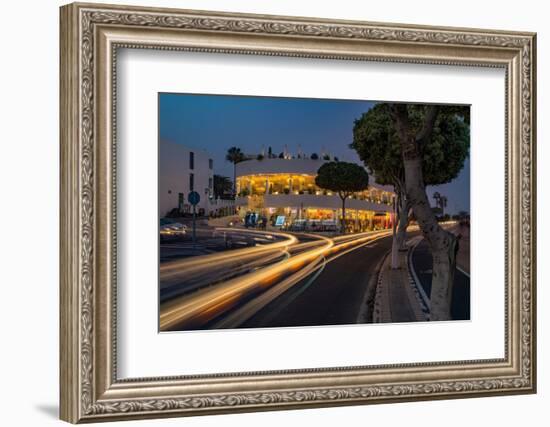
(194, 198)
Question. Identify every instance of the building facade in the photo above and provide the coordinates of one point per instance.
(286, 187)
(182, 170)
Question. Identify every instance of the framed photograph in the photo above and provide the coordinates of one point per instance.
(266, 212)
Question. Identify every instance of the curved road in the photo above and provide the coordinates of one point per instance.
(301, 279)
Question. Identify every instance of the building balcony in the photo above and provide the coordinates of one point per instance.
(304, 201)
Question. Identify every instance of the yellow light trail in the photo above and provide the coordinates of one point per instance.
(241, 314)
(202, 306)
(173, 269)
(195, 306)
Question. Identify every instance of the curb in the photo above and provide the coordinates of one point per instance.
(367, 310)
(377, 306)
(419, 308)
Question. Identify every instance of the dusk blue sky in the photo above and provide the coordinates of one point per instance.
(217, 122)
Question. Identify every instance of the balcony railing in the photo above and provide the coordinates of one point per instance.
(321, 201)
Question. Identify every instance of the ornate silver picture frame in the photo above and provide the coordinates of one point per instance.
(91, 36)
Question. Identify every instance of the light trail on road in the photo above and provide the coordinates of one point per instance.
(196, 309)
(241, 314)
(189, 275)
(204, 305)
(173, 269)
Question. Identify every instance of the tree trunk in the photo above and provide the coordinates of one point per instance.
(443, 273)
(403, 220)
(442, 243)
(395, 244)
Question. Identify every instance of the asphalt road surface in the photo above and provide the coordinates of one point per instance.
(294, 280)
(333, 297)
(278, 279)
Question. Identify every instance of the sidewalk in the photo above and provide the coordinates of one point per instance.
(397, 298)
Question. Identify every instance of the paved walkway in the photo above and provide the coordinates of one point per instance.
(397, 297)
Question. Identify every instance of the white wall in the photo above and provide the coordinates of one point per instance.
(29, 170)
(174, 170)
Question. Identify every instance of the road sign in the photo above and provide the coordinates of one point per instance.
(194, 198)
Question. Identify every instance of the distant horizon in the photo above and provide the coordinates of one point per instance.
(214, 123)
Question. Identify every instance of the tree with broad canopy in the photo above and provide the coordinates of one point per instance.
(343, 178)
(376, 140)
(418, 129)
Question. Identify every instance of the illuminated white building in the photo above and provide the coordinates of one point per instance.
(286, 186)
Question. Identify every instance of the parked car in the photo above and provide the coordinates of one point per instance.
(171, 230)
(297, 225)
(329, 225)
